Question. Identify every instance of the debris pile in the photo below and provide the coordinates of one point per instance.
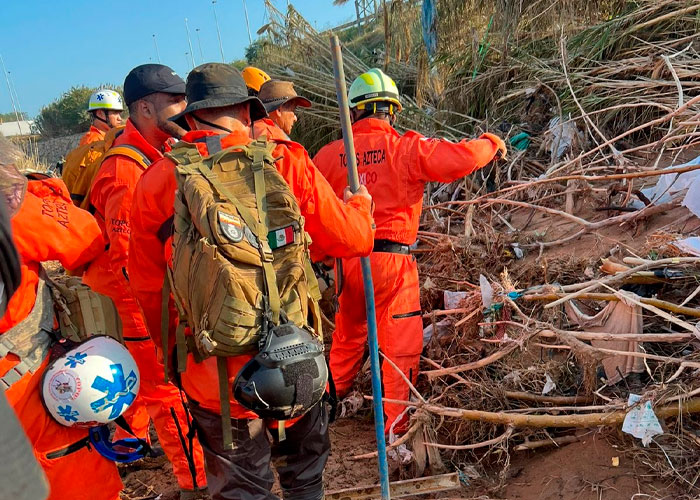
(560, 287)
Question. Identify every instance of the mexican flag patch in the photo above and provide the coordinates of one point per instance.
(281, 237)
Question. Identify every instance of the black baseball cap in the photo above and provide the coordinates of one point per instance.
(151, 78)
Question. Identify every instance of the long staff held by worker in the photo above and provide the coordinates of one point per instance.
(354, 183)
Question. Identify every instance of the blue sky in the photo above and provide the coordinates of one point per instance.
(50, 45)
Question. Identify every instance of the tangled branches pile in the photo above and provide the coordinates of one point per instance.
(606, 94)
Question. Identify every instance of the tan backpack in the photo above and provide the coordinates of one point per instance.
(240, 254)
(83, 312)
(82, 163)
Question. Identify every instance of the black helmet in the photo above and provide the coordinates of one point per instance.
(286, 378)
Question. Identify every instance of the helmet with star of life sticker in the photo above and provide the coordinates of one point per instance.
(93, 383)
(106, 99)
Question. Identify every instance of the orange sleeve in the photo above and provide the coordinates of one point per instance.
(151, 211)
(115, 189)
(337, 229)
(444, 161)
(59, 230)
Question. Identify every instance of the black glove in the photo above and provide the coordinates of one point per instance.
(10, 271)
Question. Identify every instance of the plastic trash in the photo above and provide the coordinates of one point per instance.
(519, 254)
(442, 330)
(521, 141)
(453, 299)
(641, 421)
(564, 136)
(486, 291)
(689, 245)
(549, 385)
(670, 186)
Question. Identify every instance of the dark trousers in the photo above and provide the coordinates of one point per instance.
(244, 472)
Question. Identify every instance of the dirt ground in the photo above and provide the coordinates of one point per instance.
(584, 470)
(349, 437)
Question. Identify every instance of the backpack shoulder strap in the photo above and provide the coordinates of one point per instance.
(184, 153)
(112, 135)
(213, 143)
(264, 147)
(258, 225)
(130, 152)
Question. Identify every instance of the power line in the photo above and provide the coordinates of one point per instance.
(12, 99)
(14, 90)
(247, 23)
(189, 42)
(199, 42)
(218, 32)
(157, 51)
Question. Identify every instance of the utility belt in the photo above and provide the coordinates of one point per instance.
(380, 246)
(388, 246)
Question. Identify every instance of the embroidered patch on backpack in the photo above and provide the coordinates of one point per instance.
(281, 237)
(231, 226)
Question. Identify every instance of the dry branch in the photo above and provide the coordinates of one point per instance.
(553, 421)
(611, 297)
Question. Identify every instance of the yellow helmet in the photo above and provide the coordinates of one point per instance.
(374, 86)
(254, 77)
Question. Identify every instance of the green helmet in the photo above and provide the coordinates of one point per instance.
(374, 86)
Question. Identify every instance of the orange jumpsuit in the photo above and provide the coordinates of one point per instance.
(49, 227)
(268, 128)
(111, 195)
(395, 169)
(340, 230)
(92, 135)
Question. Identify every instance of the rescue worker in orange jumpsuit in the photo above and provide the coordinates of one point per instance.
(395, 169)
(153, 93)
(106, 107)
(47, 226)
(219, 107)
(280, 101)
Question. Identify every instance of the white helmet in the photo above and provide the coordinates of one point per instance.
(93, 383)
(105, 99)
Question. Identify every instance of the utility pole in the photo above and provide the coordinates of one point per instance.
(14, 91)
(157, 51)
(218, 32)
(12, 99)
(199, 42)
(247, 23)
(189, 41)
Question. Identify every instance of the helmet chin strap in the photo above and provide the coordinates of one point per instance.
(97, 117)
(210, 124)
